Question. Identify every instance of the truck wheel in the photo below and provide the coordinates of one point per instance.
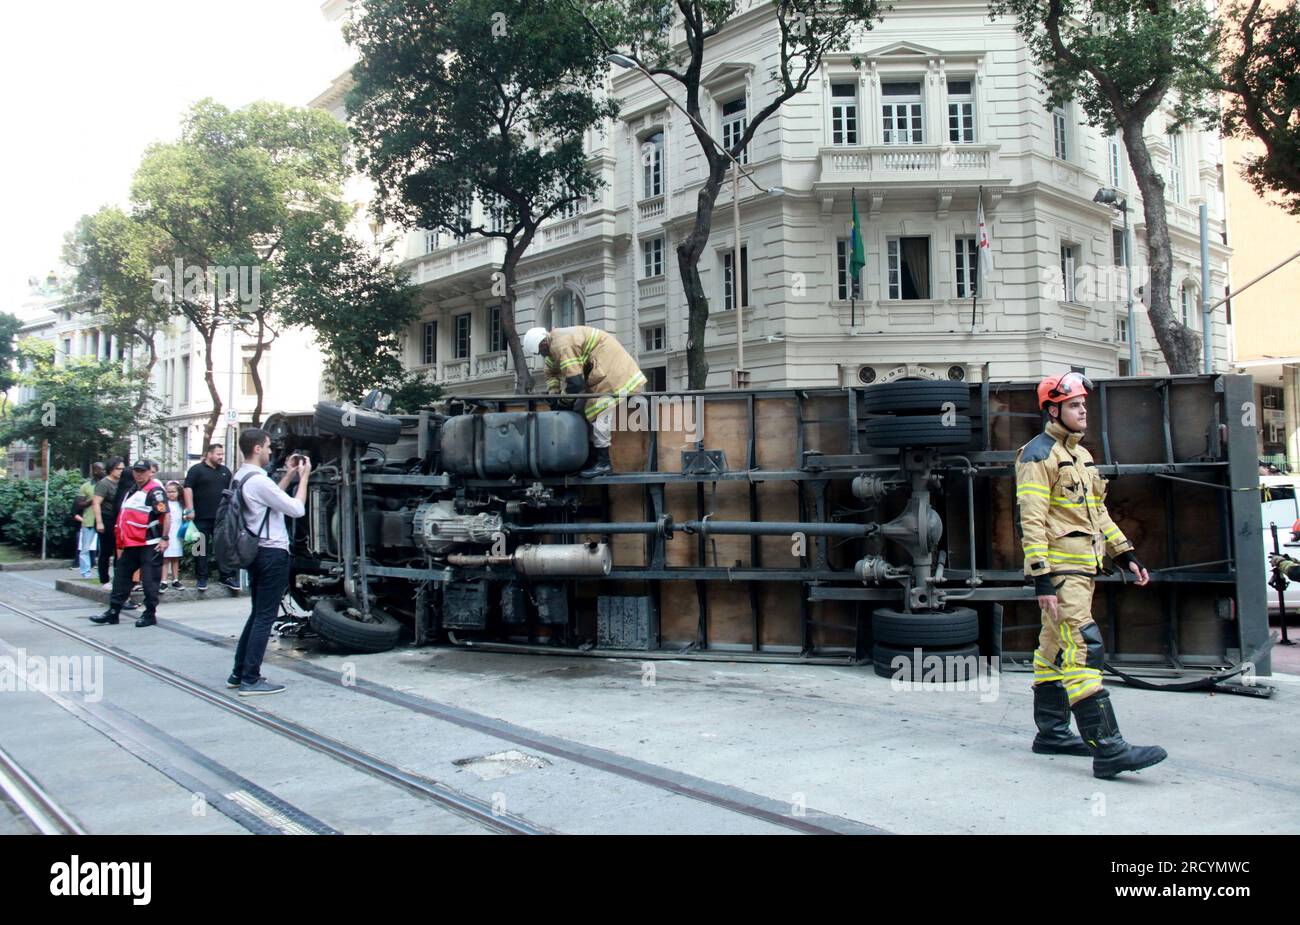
(367, 426)
(951, 628)
(913, 670)
(338, 622)
(921, 396)
(919, 430)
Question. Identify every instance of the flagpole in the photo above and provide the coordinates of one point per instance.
(974, 292)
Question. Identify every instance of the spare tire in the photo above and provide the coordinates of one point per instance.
(340, 623)
(363, 424)
(923, 396)
(937, 628)
(913, 670)
(918, 430)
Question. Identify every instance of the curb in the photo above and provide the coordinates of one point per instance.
(35, 565)
(101, 595)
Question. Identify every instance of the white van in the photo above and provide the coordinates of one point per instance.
(1280, 504)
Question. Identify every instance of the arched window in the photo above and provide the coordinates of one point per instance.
(652, 165)
(1188, 303)
(563, 309)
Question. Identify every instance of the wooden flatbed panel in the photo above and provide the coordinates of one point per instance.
(679, 612)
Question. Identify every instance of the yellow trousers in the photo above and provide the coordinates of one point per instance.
(1070, 649)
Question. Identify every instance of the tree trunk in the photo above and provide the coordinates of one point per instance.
(688, 260)
(515, 250)
(1180, 345)
(148, 371)
(253, 371)
(210, 428)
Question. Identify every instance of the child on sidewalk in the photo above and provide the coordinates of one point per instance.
(175, 549)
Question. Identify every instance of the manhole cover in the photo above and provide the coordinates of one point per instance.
(501, 764)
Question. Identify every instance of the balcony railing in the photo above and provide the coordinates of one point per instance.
(490, 364)
(654, 288)
(650, 208)
(878, 163)
(455, 370)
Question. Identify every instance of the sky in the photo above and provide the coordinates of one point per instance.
(87, 85)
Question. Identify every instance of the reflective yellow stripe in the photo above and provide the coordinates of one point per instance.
(1061, 502)
(1071, 557)
(1033, 485)
(576, 361)
(1040, 492)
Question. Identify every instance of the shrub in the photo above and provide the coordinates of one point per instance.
(22, 502)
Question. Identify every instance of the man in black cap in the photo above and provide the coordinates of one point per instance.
(142, 531)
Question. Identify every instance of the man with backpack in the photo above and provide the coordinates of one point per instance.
(254, 507)
(141, 525)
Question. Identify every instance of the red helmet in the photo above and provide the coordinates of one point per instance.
(1061, 387)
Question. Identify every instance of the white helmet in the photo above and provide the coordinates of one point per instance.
(533, 338)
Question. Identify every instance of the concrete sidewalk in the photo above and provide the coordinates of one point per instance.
(836, 738)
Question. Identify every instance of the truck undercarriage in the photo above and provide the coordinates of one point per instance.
(838, 525)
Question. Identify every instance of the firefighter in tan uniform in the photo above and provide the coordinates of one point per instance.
(587, 359)
(1066, 531)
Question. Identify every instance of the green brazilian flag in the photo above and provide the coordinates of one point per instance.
(857, 259)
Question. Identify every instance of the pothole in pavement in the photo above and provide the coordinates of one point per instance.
(500, 764)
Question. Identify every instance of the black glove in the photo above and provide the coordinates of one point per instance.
(1125, 559)
(580, 405)
(1043, 586)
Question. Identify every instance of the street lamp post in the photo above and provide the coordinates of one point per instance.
(1111, 197)
(739, 378)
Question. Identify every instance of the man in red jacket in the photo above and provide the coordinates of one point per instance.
(141, 536)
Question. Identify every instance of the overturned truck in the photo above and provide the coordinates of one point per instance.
(823, 525)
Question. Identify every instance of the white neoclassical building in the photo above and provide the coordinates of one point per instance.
(942, 108)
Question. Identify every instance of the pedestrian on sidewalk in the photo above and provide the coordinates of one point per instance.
(265, 505)
(175, 549)
(84, 516)
(105, 505)
(204, 483)
(141, 535)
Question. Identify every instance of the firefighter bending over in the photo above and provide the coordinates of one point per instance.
(588, 360)
(1066, 531)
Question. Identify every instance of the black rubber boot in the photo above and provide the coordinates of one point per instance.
(1110, 753)
(147, 619)
(602, 466)
(107, 618)
(1052, 715)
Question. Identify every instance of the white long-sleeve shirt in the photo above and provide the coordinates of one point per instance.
(261, 493)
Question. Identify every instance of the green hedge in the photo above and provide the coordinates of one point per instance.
(21, 504)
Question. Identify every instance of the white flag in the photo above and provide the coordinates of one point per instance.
(984, 244)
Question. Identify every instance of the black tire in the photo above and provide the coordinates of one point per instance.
(922, 396)
(337, 622)
(883, 656)
(367, 426)
(919, 430)
(957, 627)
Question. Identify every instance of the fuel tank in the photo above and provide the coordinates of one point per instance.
(536, 443)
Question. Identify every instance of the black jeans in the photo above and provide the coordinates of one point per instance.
(202, 564)
(148, 559)
(107, 547)
(268, 579)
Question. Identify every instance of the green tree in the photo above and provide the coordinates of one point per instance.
(1119, 60)
(112, 255)
(1261, 75)
(358, 306)
(9, 328)
(477, 98)
(226, 195)
(85, 407)
(807, 30)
